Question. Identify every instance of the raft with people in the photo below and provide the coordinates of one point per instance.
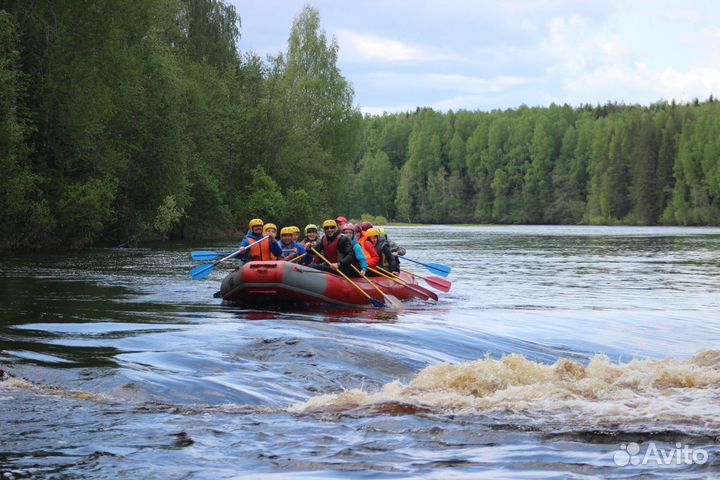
(285, 282)
(348, 265)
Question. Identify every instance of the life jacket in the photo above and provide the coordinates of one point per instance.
(371, 254)
(262, 251)
(331, 248)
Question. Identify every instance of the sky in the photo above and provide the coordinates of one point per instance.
(483, 55)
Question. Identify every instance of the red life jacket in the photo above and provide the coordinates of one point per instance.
(371, 254)
(331, 248)
(262, 251)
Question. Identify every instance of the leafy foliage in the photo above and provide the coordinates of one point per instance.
(610, 164)
(123, 120)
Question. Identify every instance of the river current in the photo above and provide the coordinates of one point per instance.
(560, 352)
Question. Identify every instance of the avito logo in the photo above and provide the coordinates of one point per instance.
(680, 455)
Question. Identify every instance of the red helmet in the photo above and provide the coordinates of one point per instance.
(341, 220)
(366, 225)
(348, 226)
(358, 230)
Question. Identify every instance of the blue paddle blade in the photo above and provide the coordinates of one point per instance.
(201, 271)
(442, 270)
(377, 303)
(437, 268)
(204, 255)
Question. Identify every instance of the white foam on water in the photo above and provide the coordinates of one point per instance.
(682, 394)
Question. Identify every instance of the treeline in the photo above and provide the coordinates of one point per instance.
(611, 164)
(123, 120)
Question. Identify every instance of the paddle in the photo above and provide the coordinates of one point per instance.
(390, 300)
(298, 258)
(437, 268)
(202, 271)
(435, 282)
(418, 288)
(375, 303)
(420, 292)
(205, 255)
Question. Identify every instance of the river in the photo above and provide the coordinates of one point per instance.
(560, 352)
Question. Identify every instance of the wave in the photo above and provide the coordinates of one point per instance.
(681, 393)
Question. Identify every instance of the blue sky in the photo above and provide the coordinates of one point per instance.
(463, 54)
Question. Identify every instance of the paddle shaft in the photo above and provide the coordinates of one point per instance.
(368, 280)
(344, 276)
(424, 292)
(298, 258)
(394, 279)
(242, 250)
(435, 282)
(443, 270)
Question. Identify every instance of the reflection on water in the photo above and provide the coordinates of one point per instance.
(554, 346)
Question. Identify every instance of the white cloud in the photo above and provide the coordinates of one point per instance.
(441, 81)
(368, 47)
(594, 63)
(465, 92)
(695, 82)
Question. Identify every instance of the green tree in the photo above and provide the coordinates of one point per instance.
(24, 214)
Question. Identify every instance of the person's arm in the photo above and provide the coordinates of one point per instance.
(395, 248)
(245, 255)
(346, 253)
(360, 255)
(300, 249)
(275, 248)
(392, 260)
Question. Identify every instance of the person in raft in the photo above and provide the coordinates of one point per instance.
(266, 250)
(338, 250)
(388, 255)
(295, 233)
(290, 248)
(368, 242)
(341, 221)
(311, 240)
(349, 230)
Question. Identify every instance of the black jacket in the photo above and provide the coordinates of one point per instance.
(388, 261)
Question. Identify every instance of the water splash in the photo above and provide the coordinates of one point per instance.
(602, 394)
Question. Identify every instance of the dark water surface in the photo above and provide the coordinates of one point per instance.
(556, 347)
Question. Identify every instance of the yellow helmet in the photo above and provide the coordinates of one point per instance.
(294, 229)
(256, 222)
(310, 226)
(329, 223)
(372, 232)
(286, 231)
(269, 226)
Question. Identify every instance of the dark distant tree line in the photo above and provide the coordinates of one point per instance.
(608, 164)
(124, 120)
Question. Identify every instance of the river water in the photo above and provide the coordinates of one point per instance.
(560, 352)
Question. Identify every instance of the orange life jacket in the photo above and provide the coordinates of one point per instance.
(371, 254)
(261, 251)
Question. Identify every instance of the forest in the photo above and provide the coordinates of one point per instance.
(123, 121)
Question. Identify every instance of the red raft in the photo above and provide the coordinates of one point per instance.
(279, 281)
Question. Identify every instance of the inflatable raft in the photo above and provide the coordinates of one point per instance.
(279, 282)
